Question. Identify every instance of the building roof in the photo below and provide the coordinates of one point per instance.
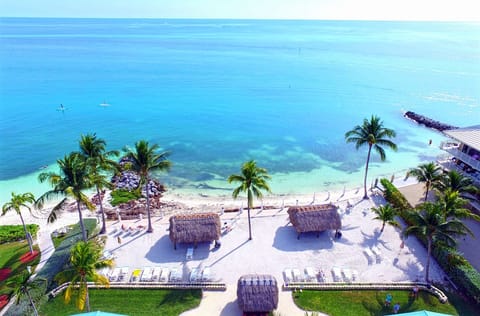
(257, 293)
(193, 228)
(467, 135)
(314, 218)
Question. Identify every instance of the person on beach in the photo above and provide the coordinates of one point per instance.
(396, 308)
(388, 300)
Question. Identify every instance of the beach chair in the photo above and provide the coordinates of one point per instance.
(175, 275)
(123, 274)
(287, 275)
(114, 275)
(370, 256)
(164, 275)
(156, 274)
(336, 274)
(146, 275)
(135, 275)
(206, 275)
(189, 255)
(195, 275)
(310, 275)
(377, 253)
(297, 276)
(354, 275)
(347, 275)
(321, 276)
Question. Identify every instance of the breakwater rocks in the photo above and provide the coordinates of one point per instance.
(428, 122)
(130, 181)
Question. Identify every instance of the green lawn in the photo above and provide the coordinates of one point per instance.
(130, 302)
(368, 303)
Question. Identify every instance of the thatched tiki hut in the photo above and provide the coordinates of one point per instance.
(194, 228)
(314, 218)
(257, 293)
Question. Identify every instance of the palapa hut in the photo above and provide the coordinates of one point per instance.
(314, 218)
(257, 293)
(194, 228)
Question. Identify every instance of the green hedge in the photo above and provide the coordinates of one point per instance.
(123, 196)
(463, 275)
(10, 233)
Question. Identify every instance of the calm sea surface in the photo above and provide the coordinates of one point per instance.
(219, 92)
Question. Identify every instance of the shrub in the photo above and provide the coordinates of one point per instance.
(396, 198)
(121, 196)
(10, 233)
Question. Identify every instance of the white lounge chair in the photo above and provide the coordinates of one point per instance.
(337, 274)
(370, 256)
(297, 276)
(377, 253)
(195, 275)
(114, 275)
(164, 275)
(189, 255)
(123, 274)
(347, 275)
(354, 275)
(206, 275)
(287, 275)
(310, 275)
(146, 274)
(175, 275)
(321, 276)
(156, 273)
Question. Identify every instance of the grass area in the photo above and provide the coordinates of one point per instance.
(10, 254)
(10, 233)
(131, 302)
(368, 303)
(123, 196)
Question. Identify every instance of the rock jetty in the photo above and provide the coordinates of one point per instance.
(428, 122)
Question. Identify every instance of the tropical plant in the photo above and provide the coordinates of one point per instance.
(428, 173)
(72, 180)
(85, 259)
(16, 203)
(375, 135)
(98, 162)
(431, 224)
(144, 159)
(252, 180)
(455, 181)
(386, 213)
(22, 286)
(454, 206)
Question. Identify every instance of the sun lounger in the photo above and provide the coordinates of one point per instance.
(347, 275)
(337, 274)
(164, 275)
(354, 275)
(156, 274)
(123, 274)
(287, 275)
(206, 275)
(136, 275)
(310, 275)
(189, 255)
(370, 256)
(146, 275)
(377, 253)
(176, 275)
(297, 276)
(321, 276)
(195, 275)
(114, 275)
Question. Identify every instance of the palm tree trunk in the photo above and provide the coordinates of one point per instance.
(104, 225)
(429, 253)
(87, 298)
(249, 204)
(29, 240)
(365, 196)
(150, 228)
(32, 303)
(427, 188)
(383, 227)
(82, 225)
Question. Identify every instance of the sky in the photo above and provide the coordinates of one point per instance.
(419, 10)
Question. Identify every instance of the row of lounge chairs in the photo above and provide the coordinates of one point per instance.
(199, 275)
(373, 254)
(309, 274)
(156, 274)
(344, 274)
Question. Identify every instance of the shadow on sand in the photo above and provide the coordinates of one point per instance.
(286, 240)
(162, 251)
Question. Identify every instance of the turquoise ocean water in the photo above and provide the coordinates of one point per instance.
(219, 92)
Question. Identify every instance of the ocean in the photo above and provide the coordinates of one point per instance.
(216, 93)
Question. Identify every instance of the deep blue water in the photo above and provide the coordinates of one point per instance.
(218, 92)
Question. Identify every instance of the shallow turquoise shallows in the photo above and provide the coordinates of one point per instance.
(219, 92)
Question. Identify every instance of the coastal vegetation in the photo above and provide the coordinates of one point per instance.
(144, 159)
(373, 134)
(120, 196)
(85, 261)
(253, 180)
(16, 203)
(23, 285)
(72, 181)
(10, 233)
(428, 173)
(386, 213)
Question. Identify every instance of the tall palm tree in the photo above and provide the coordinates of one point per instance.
(252, 180)
(454, 206)
(144, 159)
(85, 260)
(428, 173)
(72, 180)
(431, 223)
(375, 135)
(22, 285)
(98, 161)
(455, 181)
(386, 213)
(16, 203)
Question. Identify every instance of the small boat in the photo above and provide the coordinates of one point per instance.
(104, 104)
(61, 108)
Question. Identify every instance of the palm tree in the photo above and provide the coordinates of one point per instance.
(85, 260)
(98, 161)
(454, 206)
(431, 223)
(72, 180)
(145, 159)
(252, 180)
(16, 203)
(375, 135)
(386, 213)
(22, 285)
(429, 173)
(455, 181)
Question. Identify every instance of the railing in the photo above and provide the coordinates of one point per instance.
(475, 164)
